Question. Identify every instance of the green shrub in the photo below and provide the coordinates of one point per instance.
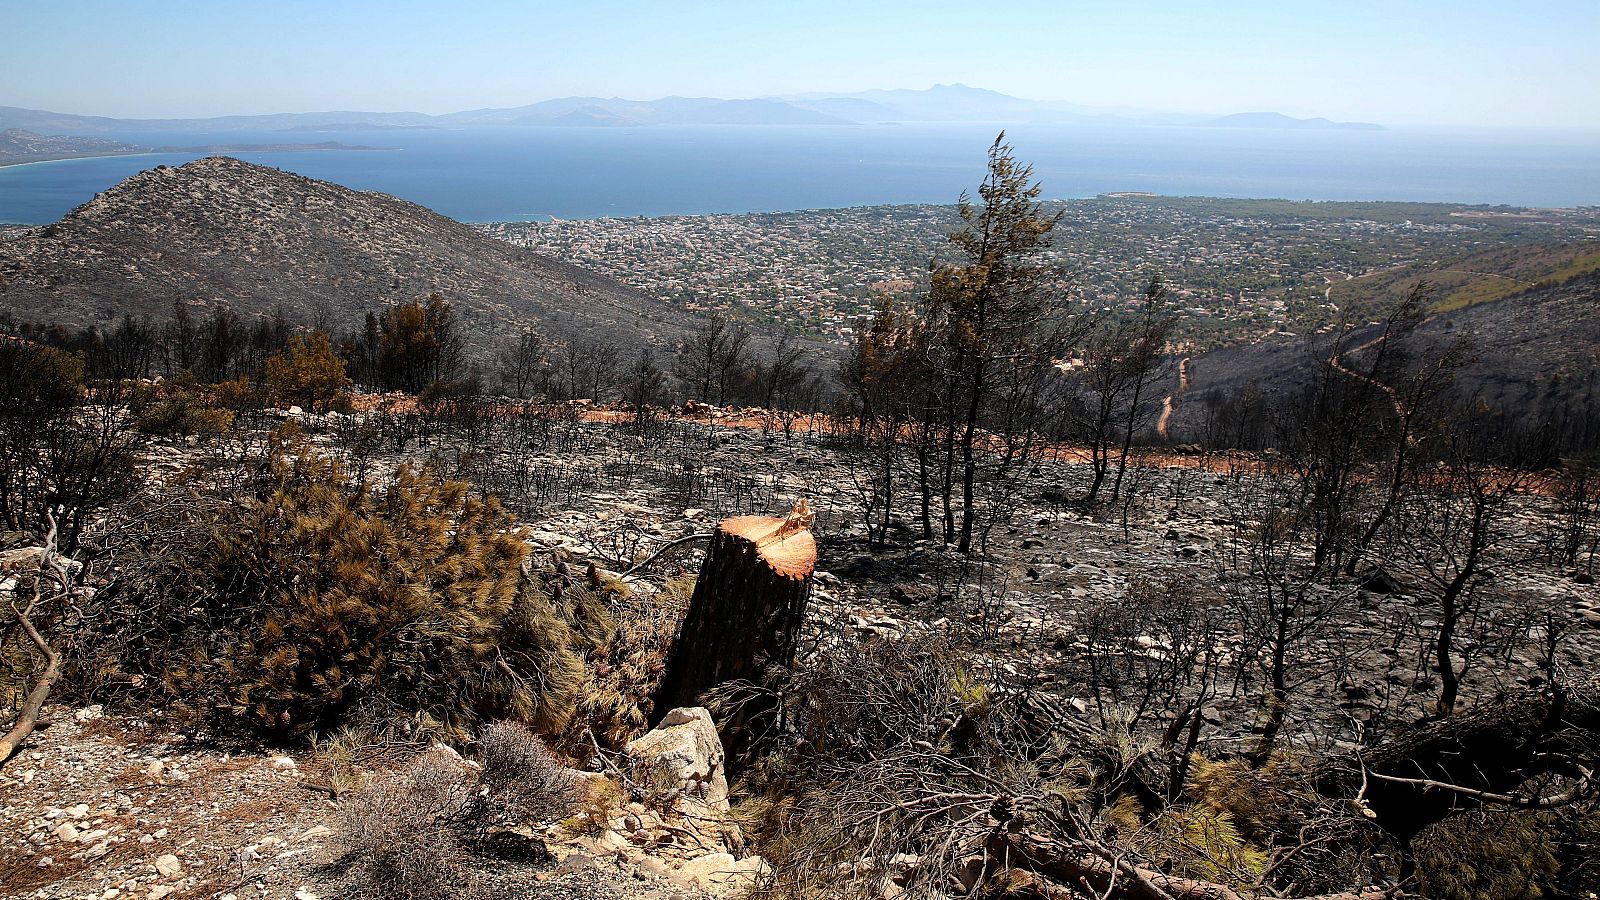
(179, 408)
(1488, 855)
(322, 602)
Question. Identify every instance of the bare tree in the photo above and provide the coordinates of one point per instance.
(1284, 610)
(522, 363)
(1120, 365)
(644, 389)
(1455, 525)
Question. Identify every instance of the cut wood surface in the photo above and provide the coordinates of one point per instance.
(786, 545)
(747, 605)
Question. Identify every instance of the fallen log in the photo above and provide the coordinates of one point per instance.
(1483, 756)
(28, 713)
(748, 602)
(1044, 868)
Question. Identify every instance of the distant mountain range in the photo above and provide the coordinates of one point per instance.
(947, 103)
(1279, 120)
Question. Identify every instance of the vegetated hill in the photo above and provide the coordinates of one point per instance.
(1531, 360)
(19, 146)
(1471, 279)
(219, 231)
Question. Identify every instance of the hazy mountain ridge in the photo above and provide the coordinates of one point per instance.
(1279, 120)
(942, 103)
(221, 232)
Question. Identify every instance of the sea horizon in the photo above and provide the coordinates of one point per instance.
(538, 173)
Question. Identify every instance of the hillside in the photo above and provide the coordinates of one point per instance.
(1532, 358)
(219, 231)
(1478, 277)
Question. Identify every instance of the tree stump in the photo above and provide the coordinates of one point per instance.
(745, 613)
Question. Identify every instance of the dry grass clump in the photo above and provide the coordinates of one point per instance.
(631, 635)
(424, 832)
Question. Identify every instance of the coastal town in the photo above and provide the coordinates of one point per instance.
(1237, 267)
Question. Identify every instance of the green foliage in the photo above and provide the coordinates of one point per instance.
(180, 408)
(308, 371)
(1488, 855)
(321, 601)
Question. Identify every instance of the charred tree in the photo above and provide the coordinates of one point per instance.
(745, 613)
(1531, 750)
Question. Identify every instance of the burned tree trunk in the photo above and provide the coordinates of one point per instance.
(747, 606)
(1481, 757)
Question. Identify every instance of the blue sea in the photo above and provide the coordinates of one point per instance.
(532, 173)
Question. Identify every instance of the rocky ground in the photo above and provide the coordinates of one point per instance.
(1048, 561)
(103, 804)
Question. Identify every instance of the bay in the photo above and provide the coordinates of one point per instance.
(532, 173)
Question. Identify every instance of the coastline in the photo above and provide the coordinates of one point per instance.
(51, 159)
(209, 151)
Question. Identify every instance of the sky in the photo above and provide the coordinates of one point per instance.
(1396, 62)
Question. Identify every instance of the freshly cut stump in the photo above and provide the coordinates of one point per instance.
(745, 613)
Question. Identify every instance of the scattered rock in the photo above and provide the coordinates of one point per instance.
(684, 752)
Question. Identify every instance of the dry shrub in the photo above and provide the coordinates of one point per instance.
(395, 836)
(631, 633)
(1240, 818)
(316, 601)
(180, 408)
(1488, 855)
(521, 780)
(422, 833)
(286, 597)
(1194, 841)
(888, 752)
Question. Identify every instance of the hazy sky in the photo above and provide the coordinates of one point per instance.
(1462, 62)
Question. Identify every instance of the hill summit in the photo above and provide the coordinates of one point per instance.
(222, 232)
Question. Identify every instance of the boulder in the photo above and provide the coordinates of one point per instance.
(723, 876)
(685, 754)
(22, 559)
